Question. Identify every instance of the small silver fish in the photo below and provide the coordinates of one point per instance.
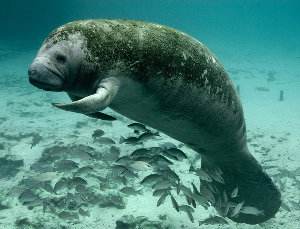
(138, 127)
(193, 202)
(285, 206)
(124, 160)
(160, 160)
(81, 188)
(143, 158)
(217, 177)
(163, 184)
(130, 191)
(200, 200)
(65, 165)
(218, 205)
(225, 197)
(81, 155)
(84, 170)
(237, 209)
(140, 166)
(151, 179)
(28, 196)
(218, 171)
(112, 155)
(212, 187)
(186, 190)
(120, 180)
(84, 212)
(208, 194)
(226, 210)
(179, 154)
(188, 199)
(203, 175)
(167, 145)
(140, 152)
(147, 135)
(34, 203)
(195, 190)
(66, 215)
(77, 180)
(47, 187)
(186, 208)
(170, 155)
(178, 187)
(213, 220)
(105, 141)
(191, 217)
(121, 170)
(114, 150)
(251, 210)
(36, 138)
(98, 133)
(170, 174)
(234, 192)
(46, 176)
(155, 150)
(118, 169)
(162, 199)
(60, 185)
(129, 140)
(174, 203)
(159, 192)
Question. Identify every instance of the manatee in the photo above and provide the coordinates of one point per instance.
(165, 79)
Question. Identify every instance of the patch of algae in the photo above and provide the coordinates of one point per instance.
(112, 40)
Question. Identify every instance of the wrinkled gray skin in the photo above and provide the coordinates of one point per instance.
(167, 80)
(53, 66)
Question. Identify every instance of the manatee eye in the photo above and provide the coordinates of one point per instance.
(61, 58)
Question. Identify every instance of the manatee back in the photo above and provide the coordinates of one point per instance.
(165, 60)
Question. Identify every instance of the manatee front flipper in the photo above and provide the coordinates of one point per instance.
(97, 115)
(90, 105)
(242, 191)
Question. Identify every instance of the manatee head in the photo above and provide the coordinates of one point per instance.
(58, 61)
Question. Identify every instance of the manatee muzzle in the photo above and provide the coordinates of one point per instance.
(45, 77)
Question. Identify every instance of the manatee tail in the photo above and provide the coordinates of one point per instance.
(240, 189)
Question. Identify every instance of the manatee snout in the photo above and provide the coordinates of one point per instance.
(45, 76)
